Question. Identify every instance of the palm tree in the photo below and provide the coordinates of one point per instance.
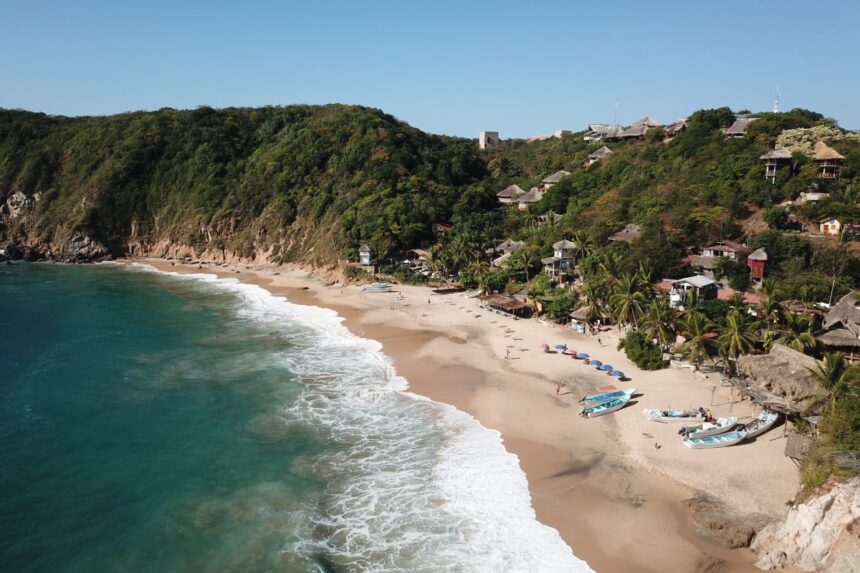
(836, 376)
(737, 337)
(627, 301)
(697, 329)
(659, 322)
(770, 312)
(593, 303)
(796, 334)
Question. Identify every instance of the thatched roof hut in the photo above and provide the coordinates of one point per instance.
(823, 152)
(777, 153)
(845, 312)
(739, 127)
(555, 177)
(781, 380)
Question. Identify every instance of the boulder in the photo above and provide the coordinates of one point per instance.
(79, 248)
(722, 526)
(822, 529)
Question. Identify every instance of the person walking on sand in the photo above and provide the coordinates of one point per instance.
(600, 342)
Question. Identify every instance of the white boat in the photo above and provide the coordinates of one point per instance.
(764, 422)
(718, 441)
(718, 426)
(674, 415)
(602, 408)
(377, 287)
(604, 396)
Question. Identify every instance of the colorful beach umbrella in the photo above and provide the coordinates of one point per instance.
(595, 363)
(581, 355)
(561, 346)
(616, 374)
(605, 368)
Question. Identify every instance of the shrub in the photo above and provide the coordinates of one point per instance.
(559, 309)
(642, 352)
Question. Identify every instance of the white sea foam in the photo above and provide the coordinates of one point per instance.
(413, 485)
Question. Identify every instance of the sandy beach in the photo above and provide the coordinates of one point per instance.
(614, 487)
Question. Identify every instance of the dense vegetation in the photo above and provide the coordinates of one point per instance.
(311, 184)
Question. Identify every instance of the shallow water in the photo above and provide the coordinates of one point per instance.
(154, 422)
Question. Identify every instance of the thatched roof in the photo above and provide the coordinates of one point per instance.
(504, 302)
(510, 192)
(839, 338)
(647, 121)
(555, 177)
(758, 255)
(533, 196)
(364, 248)
(677, 126)
(600, 153)
(781, 377)
(777, 153)
(634, 131)
(739, 127)
(823, 152)
(628, 233)
(564, 244)
(846, 313)
(510, 246)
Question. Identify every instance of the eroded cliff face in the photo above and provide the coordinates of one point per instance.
(822, 534)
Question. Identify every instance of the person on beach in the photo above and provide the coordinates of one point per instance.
(600, 342)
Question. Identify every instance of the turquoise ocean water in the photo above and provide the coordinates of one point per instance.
(154, 422)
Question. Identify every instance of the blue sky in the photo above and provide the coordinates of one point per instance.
(453, 67)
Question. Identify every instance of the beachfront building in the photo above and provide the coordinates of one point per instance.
(703, 288)
(827, 159)
(534, 195)
(739, 127)
(830, 226)
(563, 259)
(598, 155)
(841, 326)
(628, 234)
(773, 159)
(756, 261)
(510, 194)
(488, 139)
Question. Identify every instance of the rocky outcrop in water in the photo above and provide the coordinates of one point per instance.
(821, 534)
(81, 249)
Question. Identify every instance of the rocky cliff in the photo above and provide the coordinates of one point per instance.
(822, 534)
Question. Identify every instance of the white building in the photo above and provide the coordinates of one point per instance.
(488, 139)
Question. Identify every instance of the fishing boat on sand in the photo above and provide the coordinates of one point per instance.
(674, 415)
(718, 426)
(761, 424)
(718, 441)
(377, 287)
(604, 396)
(606, 407)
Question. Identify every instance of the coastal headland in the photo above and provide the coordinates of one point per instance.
(622, 491)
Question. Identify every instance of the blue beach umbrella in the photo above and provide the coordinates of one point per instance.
(595, 363)
(561, 346)
(616, 374)
(605, 368)
(581, 355)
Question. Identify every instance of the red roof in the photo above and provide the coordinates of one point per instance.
(749, 297)
(664, 285)
(444, 227)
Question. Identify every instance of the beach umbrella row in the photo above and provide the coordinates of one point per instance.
(608, 368)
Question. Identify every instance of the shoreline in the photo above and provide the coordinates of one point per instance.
(598, 482)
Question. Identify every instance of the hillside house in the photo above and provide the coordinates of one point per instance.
(563, 259)
(773, 159)
(557, 134)
(739, 127)
(602, 132)
(507, 247)
(841, 326)
(596, 156)
(831, 226)
(510, 194)
(647, 121)
(628, 234)
(534, 195)
(703, 287)
(551, 180)
(726, 248)
(633, 131)
(488, 139)
(675, 128)
(756, 262)
(827, 159)
(550, 217)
